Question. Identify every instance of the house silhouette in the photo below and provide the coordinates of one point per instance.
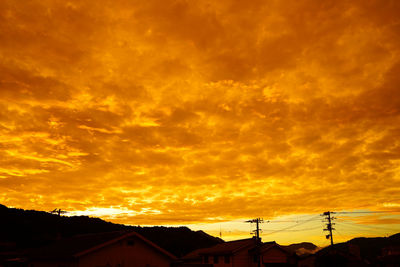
(242, 253)
(111, 249)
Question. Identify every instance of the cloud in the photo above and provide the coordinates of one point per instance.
(181, 112)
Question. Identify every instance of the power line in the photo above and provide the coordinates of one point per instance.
(292, 226)
(355, 212)
(298, 230)
(356, 225)
(332, 212)
(329, 223)
(292, 221)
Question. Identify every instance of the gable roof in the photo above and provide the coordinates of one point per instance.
(269, 245)
(77, 246)
(230, 247)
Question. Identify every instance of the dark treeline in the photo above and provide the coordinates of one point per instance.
(20, 229)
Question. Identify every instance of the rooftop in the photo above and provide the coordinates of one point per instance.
(69, 248)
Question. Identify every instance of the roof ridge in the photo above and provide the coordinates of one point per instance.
(227, 247)
(245, 245)
(122, 236)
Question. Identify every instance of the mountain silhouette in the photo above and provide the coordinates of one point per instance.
(368, 249)
(302, 248)
(21, 229)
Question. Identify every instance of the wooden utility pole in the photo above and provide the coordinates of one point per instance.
(58, 211)
(329, 227)
(258, 239)
(58, 225)
(257, 221)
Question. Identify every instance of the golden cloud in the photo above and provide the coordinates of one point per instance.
(180, 112)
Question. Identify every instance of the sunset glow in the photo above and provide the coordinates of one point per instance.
(202, 113)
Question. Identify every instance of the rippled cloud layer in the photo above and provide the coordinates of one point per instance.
(191, 111)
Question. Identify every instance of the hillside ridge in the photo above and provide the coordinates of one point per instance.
(21, 229)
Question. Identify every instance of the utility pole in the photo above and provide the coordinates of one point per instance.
(58, 225)
(257, 221)
(258, 239)
(329, 224)
(58, 211)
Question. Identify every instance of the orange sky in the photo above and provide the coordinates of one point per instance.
(186, 112)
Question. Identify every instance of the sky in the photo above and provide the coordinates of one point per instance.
(202, 113)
